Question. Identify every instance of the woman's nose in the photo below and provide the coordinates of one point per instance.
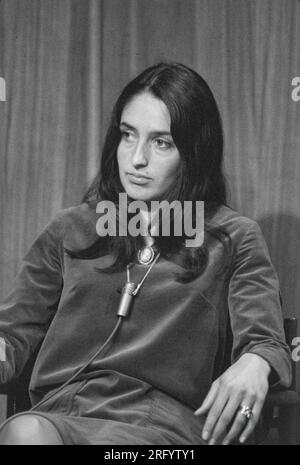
(140, 155)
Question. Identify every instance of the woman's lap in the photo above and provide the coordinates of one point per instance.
(105, 411)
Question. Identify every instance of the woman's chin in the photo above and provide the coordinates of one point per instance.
(140, 193)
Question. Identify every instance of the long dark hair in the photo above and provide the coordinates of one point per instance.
(196, 129)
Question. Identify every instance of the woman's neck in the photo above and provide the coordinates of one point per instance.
(148, 238)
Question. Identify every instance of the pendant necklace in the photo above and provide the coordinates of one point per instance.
(147, 253)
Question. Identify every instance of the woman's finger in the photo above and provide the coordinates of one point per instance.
(213, 416)
(257, 408)
(208, 401)
(226, 418)
(241, 419)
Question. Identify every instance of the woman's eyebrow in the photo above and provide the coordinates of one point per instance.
(152, 133)
(128, 126)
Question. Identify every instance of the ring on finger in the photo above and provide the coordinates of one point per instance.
(246, 411)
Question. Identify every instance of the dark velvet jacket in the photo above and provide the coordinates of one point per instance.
(175, 337)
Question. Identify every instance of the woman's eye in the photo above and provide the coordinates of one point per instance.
(126, 135)
(163, 144)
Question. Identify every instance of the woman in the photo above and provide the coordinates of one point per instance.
(162, 377)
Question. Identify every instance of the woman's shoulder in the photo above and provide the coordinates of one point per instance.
(75, 225)
(236, 225)
(248, 244)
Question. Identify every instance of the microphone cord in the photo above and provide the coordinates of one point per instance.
(130, 290)
(82, 368)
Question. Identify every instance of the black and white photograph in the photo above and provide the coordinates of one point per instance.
(150, 225)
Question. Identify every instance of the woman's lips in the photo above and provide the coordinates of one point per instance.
(138, 179)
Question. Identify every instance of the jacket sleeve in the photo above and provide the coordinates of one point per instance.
(255, 307)
(28, 309)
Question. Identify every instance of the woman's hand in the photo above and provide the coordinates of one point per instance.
(244, 383)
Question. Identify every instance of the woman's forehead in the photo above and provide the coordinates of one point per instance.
(145, 110)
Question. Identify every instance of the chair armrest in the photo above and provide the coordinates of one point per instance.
(8, 388)
(285, 420)
(3, 409)
(282, 398)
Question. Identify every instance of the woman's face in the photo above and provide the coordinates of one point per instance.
(147, 156)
